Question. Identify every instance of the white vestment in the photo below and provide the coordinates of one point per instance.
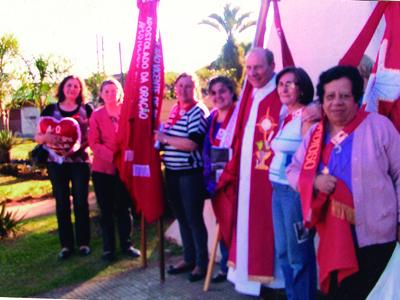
(239, 275)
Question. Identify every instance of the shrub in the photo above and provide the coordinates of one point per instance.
(7, 140)
(8, 222)
(23, 171)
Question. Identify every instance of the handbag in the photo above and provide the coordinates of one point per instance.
(39, 155)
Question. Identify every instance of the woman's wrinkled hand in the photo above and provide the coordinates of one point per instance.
(325, 183)
(312, 113)
(52, 139)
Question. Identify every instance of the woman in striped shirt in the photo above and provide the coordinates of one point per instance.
(182, 141)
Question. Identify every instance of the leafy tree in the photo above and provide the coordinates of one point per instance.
(169, 80)
(9, 50)
(205, 73)
(93, 84)
(231, 23)
(39, 81)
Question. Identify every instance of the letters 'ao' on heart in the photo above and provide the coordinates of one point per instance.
(68, 131)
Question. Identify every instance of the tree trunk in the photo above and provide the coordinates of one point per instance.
(4, 156)
(5, 120)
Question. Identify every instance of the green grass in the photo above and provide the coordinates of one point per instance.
(21, 150)
(13, 188)
(29, 264)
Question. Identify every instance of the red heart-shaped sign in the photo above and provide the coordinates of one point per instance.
(66, 130)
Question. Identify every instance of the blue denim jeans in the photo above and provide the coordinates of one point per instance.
(224, 257)
(186, 193)
(294, 244)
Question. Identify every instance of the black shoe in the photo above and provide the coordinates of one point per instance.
(269, 293)
(84, 250)
(108, 256)
(220, 277)
(64, 253)
(196, 277)
(172, 270)
(132, 252)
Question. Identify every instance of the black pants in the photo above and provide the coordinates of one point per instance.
(372, 261)
(115, 206)
(78, 175)
(186, 193)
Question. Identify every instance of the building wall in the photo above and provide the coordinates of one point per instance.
(319, 32)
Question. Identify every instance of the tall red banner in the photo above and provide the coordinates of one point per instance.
(138, 161)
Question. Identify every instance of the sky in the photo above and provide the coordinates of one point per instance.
(73, 28)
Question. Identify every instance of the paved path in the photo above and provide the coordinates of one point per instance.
(136, 284)
(42, 208)
(140, 284)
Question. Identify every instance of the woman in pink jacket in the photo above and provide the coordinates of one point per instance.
(112, 197)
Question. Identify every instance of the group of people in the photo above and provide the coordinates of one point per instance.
(70, 174)
(303, 173)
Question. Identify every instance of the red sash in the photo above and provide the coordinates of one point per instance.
(291, 116)
(261, 250)
(330, 214)
(221, 131)
(177, 113)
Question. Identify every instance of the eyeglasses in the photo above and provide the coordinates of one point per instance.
(287, 84)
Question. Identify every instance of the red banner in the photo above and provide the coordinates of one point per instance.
(382, 93)
(138, 161)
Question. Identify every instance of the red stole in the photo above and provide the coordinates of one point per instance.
(225, 200)
(261, 250)
(177, 112)
(216, 139)
(330, 214)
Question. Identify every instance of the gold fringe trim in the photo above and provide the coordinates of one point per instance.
(262, 279)
(343, 211)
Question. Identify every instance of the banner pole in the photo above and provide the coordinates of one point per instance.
(261, 24)
(211, 262)
(161, 252)
(143, 241)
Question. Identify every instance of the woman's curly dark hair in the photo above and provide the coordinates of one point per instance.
(335, 73)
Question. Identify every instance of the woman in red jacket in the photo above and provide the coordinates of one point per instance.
(112, 197)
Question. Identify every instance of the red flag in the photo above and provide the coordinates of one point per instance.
(225, 202)
(287, 59)
(137, 159)
(383, 90)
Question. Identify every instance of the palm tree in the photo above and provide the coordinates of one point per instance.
(231, 23)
